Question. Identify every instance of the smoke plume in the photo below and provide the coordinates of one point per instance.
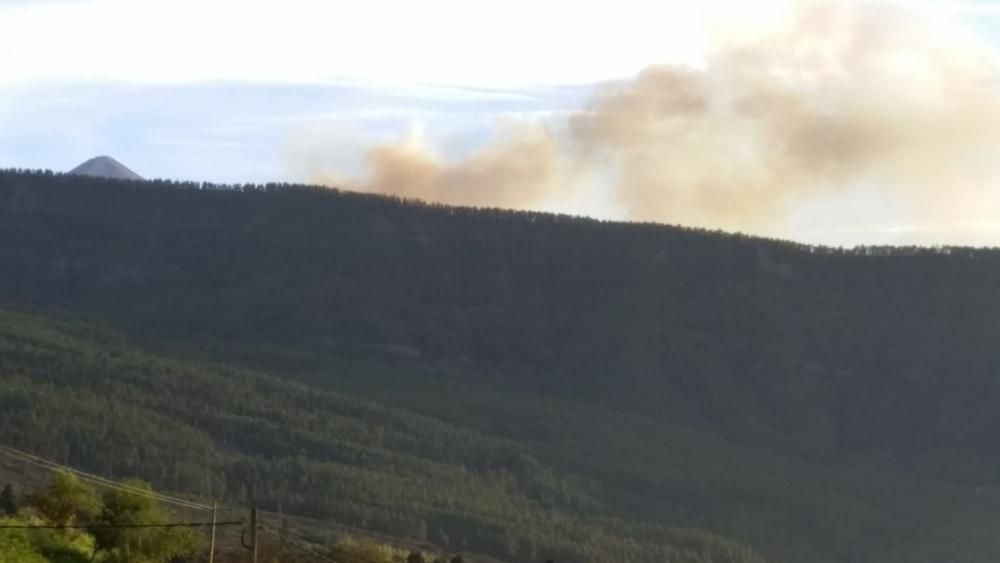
(518, 171)
(833, 96)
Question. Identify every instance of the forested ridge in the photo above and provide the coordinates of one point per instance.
(520, 384)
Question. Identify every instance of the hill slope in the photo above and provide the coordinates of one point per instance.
(222, 432)
(818, 405)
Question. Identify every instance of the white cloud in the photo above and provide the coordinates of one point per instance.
(388, 42)
(433, 41)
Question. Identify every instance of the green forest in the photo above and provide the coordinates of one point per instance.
(516, 385)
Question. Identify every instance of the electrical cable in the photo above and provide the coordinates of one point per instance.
(53, 466)
(114, 526)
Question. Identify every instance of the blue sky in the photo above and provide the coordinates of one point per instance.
(249, 132)
(256, 91)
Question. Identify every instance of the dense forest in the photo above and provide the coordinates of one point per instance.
(525, 385)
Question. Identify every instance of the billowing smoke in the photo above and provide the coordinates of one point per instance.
(834, 96)
(518, 171)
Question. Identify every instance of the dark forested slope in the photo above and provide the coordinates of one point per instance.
(817, 404)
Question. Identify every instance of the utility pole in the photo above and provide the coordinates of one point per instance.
(211, 547)
(253, 534)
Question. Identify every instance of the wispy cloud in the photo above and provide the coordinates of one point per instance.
(176, 130)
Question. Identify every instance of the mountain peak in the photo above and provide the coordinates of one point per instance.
(105, 167)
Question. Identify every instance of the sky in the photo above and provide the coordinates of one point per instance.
(301, 91)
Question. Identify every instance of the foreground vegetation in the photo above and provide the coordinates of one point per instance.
(69, 522)
(524, 385)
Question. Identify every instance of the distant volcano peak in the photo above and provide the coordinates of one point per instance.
(105, 167)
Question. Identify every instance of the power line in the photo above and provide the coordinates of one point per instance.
(113, 526)
(90, 477)
(391, 540)
(268, 529)
(53, 466)
(289, 533)
(286, 536)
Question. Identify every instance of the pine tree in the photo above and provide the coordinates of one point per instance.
(8, 502)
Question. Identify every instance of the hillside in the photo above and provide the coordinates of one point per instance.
(521, 384)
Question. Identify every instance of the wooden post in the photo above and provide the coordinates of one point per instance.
(211, 547)
(253, 535)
